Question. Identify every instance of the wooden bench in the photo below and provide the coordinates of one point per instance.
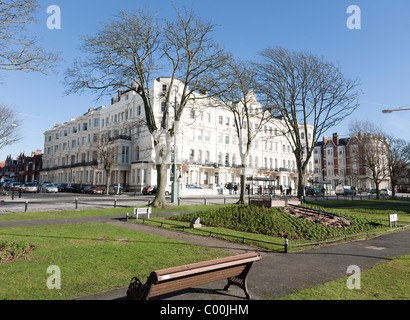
(139, 211)
(235, 269)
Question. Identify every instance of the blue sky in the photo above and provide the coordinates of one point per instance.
(378, 54)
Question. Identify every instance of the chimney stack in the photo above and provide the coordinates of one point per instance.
(336, 138)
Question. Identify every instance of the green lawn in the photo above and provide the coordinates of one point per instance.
(96, 257)
(91, 257)
(386, 281)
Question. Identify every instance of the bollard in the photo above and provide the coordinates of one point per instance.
(205, 201)
(76, 203)
(224, 200)
(19, 193)
(127, 216)
(179, 201)
(12, 195)
(25, 206)
(115, 203)
(286, 202)
(286, 245)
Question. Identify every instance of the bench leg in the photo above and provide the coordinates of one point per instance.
(240, 281)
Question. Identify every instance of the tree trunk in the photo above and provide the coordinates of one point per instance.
(242, 195)
(377, 190)
(301, 182)
(393, 191)
(160, 201)
(108, 182)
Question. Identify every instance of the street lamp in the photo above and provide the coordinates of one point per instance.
(174, 191)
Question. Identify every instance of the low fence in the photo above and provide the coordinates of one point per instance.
(285, 244)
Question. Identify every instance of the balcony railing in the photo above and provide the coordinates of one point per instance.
(120, 137)
(75, 165)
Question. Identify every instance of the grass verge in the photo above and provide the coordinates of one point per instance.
(91, 257)
(388, 280)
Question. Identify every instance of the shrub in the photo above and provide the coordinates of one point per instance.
(275, 222)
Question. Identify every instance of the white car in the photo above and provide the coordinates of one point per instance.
(51, 188)
(385, 192)
(30, 187)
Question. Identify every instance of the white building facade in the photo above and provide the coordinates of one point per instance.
(207, 150)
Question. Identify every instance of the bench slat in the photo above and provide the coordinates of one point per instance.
(203, 269)
(194, 280)
(217, 263)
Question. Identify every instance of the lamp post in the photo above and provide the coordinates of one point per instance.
(174, 191)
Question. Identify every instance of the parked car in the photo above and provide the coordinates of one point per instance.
(149, 190)
(15, 186)
(113, 189)
(6, 184)
(345, 191)
(153, 189)
(51, 188)
(373, 191)
(92, 190)
(314, 192)
(385, 192)
(30, 187)
(72, 187)
(62, 187)
(192, 186)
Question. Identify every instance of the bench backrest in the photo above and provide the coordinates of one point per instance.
(182, 277)
(142, 210)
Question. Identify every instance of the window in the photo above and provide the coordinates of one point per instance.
(192, 114)
(207, 136)
(220, 120)
(200, 135)
(137, 154)
(206, 156)
(219, 137)
(125, 154)
(226, 139)
(163, 106)
(164, 87)
(227, 121)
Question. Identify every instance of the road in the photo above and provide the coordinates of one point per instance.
(35, 202)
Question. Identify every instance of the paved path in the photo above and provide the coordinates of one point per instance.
(279, 274)
(276, 275)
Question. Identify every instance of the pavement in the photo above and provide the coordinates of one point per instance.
(275, 275)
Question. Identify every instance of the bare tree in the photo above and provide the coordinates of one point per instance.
(9, 131)
(127, 54)
(372, 152)
(238, 80)
(106, 156)
(18, 50)
(305, 90)
(398, 160)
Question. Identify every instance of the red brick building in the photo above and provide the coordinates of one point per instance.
(23, 169)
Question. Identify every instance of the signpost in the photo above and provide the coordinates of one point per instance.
(393, 218)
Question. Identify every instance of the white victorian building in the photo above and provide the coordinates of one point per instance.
(207, 151)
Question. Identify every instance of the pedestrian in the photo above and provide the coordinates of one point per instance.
(235, 188)
(281, 189)
(290, 190)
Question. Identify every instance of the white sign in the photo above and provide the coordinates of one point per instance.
(393, 217)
